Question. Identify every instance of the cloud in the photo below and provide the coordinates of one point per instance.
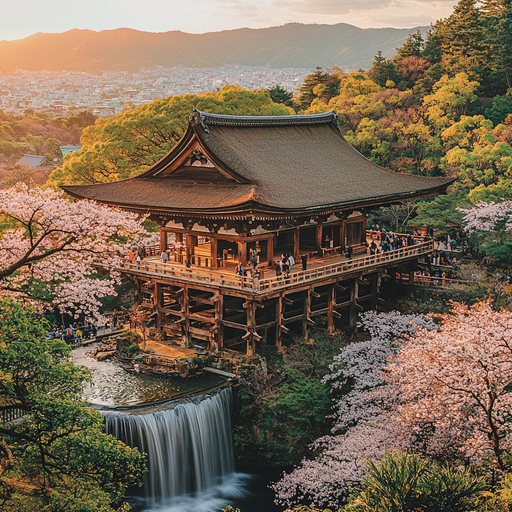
(211, 15)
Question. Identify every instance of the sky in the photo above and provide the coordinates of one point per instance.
(21, 18)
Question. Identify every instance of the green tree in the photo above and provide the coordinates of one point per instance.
(279, 94)
(408, 483)
(413, 46)
(57, 458)
(122, 146)
(330, 81)
(383, 71)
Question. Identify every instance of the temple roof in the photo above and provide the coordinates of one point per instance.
(260, 165)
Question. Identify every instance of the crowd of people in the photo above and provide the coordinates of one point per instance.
(75, 333)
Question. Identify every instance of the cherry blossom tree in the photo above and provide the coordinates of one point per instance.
(492, 223)
(364, 425)
(453, 385)
(443, 391)
(49, 245)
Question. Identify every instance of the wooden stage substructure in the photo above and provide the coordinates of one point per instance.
(220, 310)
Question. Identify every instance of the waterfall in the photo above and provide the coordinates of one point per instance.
(189, 447)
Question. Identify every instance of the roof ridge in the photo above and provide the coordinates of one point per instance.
(207, 118)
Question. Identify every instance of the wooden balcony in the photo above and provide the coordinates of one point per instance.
(320, 269)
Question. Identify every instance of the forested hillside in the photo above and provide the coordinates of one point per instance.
(291, 45)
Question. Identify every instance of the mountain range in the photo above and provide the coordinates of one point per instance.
(291, 45)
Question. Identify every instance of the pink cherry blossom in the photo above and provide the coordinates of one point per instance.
(49, 253)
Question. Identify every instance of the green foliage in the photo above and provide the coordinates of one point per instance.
(320, 85)
(132, 349)
(122, 146)
(437, 211)
(500, 108)
(57, 458)
(275, 423)
(280, 95)
(407, 483)
(384, 70)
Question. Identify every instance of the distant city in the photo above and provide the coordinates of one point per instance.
(107, 94)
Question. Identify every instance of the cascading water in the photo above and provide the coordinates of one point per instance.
(189, 447)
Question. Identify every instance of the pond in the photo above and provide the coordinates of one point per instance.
(114, 386)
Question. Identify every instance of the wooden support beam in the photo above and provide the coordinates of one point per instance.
(234, 325)
(214, 252)
(375, 290)
(296, 243)
(363, 281)
(219, 312)
(251, 326)
(353, 299)
(318, 237)
(279, 326)
(341, 288)
(306, 313)
(314, 294)
(270, 249)
(331, 301)
(163, 241)
(310, 321)
(336, 314)
(185, 326)
(285, 329)
(287, 301)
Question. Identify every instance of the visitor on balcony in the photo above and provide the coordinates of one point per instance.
(304, 261)
(164, 257)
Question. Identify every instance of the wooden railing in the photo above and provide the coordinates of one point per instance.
(440, 282)
(195, 274)
(346, 266)
(259, 285)
(10, 415)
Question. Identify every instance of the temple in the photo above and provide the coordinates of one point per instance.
(243, 190)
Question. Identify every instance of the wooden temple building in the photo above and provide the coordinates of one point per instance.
(242, 189)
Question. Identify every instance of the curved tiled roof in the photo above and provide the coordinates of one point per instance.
(281, 165)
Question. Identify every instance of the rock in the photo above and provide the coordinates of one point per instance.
(105, 355)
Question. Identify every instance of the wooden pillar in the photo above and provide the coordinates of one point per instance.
(318, 239)
(270, 250)
(179, 237)
(219, 315)
(185, 322)
(163, 240)
(306, 313)
(251, 328)
(331, 300)
(354, 293)
(296, 244)
(215, 261)
(342, 237)
(279, 318)
(375, 290)
(157, 301)
(138, 291)
(242, 253)
(411, 278)
(191, 242)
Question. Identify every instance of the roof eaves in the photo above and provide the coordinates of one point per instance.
(206, 118)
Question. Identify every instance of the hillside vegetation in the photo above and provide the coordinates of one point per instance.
(291, 45)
